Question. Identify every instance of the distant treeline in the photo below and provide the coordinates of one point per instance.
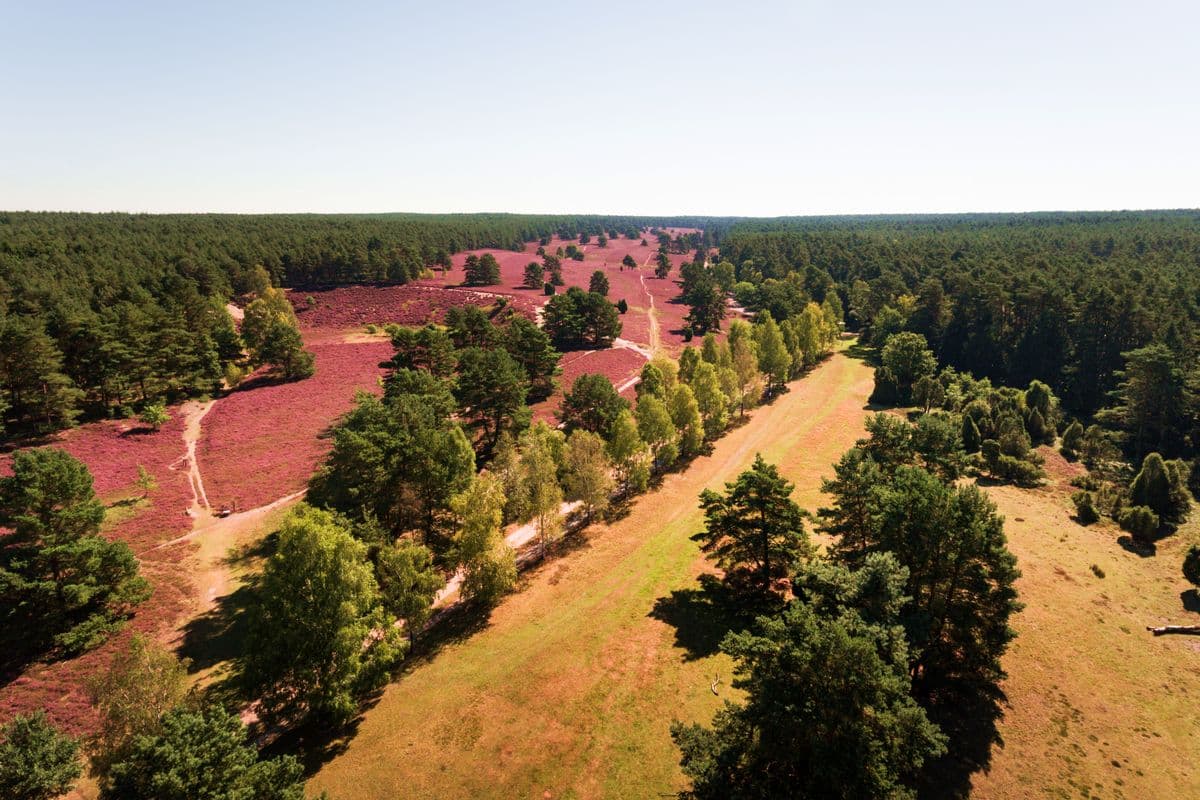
(106, 312)
(1056, 297)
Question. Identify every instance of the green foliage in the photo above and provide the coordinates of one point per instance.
(318, 637)
(587, 472)
(710, 399)
(689, 424)
(397, 460)
(630, 455)
(656, 429)
(481, 270)
(489, 564)
(1162, 487)
(1085, 507)
(140, 685)
(155, 415)
(754, 531)
(971, 438)
(581, 320)
(773, 358)
(62, 583)
(1072, 440)
(491, 391)
(598, 284)
(37, 762)
(272, 335)
(906, 358)
(1156, 401)
(961, 574)
(795, 736)
(408, 582)
(1191, 565)
(592, 405)
(202, 754)
(1141, 522)
(534, 272)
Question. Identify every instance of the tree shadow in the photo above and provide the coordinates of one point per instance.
(218, 636)
(1190, 599)
(702, 616)
(968, 715)
(1139, 549)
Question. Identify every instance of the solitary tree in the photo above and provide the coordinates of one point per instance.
(533, 275)
(272, 335)
(598, 283)
(155, 415)
(754, 530)
(827, 714)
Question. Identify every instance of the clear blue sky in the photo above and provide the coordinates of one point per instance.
(645, 107)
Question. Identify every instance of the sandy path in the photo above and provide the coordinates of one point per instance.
(194, 413)
(571, 687)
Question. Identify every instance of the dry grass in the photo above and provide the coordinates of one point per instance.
(572, 686)
(1097, 706)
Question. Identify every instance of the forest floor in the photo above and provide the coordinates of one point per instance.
(570, 687)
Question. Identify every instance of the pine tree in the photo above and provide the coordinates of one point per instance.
(754, 530)
(59, 578)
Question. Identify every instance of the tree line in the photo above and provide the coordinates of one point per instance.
(102, 313)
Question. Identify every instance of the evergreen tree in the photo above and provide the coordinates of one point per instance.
(37, 762)
(598, 283)
(592, 404)
(202, 754)
(795, 736)
(754, 531)
(491, 391)
(534, 273)
(61, 581)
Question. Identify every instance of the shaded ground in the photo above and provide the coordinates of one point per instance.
(572, 685)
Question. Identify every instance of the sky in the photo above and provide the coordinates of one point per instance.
(732, 108)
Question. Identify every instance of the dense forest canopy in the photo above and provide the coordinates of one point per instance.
(1013, 297)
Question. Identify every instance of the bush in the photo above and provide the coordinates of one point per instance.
(1191, 565)
(622, 306)
(547, 289)
(1141, 522)
(1085, 507)
(1072, 441)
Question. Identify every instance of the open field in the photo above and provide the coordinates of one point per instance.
(1097, 706)
(571, 688)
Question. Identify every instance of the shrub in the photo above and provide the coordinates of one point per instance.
(1072, 441)
(1141, 522)
(622, 306)
(1085, 507)
(1191, 565)
(1099, 573)
(547, 289)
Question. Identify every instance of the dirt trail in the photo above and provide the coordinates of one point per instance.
(194, 413)
(516, 537)
(571, 687)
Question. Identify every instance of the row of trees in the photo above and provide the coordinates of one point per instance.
(905, 619)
